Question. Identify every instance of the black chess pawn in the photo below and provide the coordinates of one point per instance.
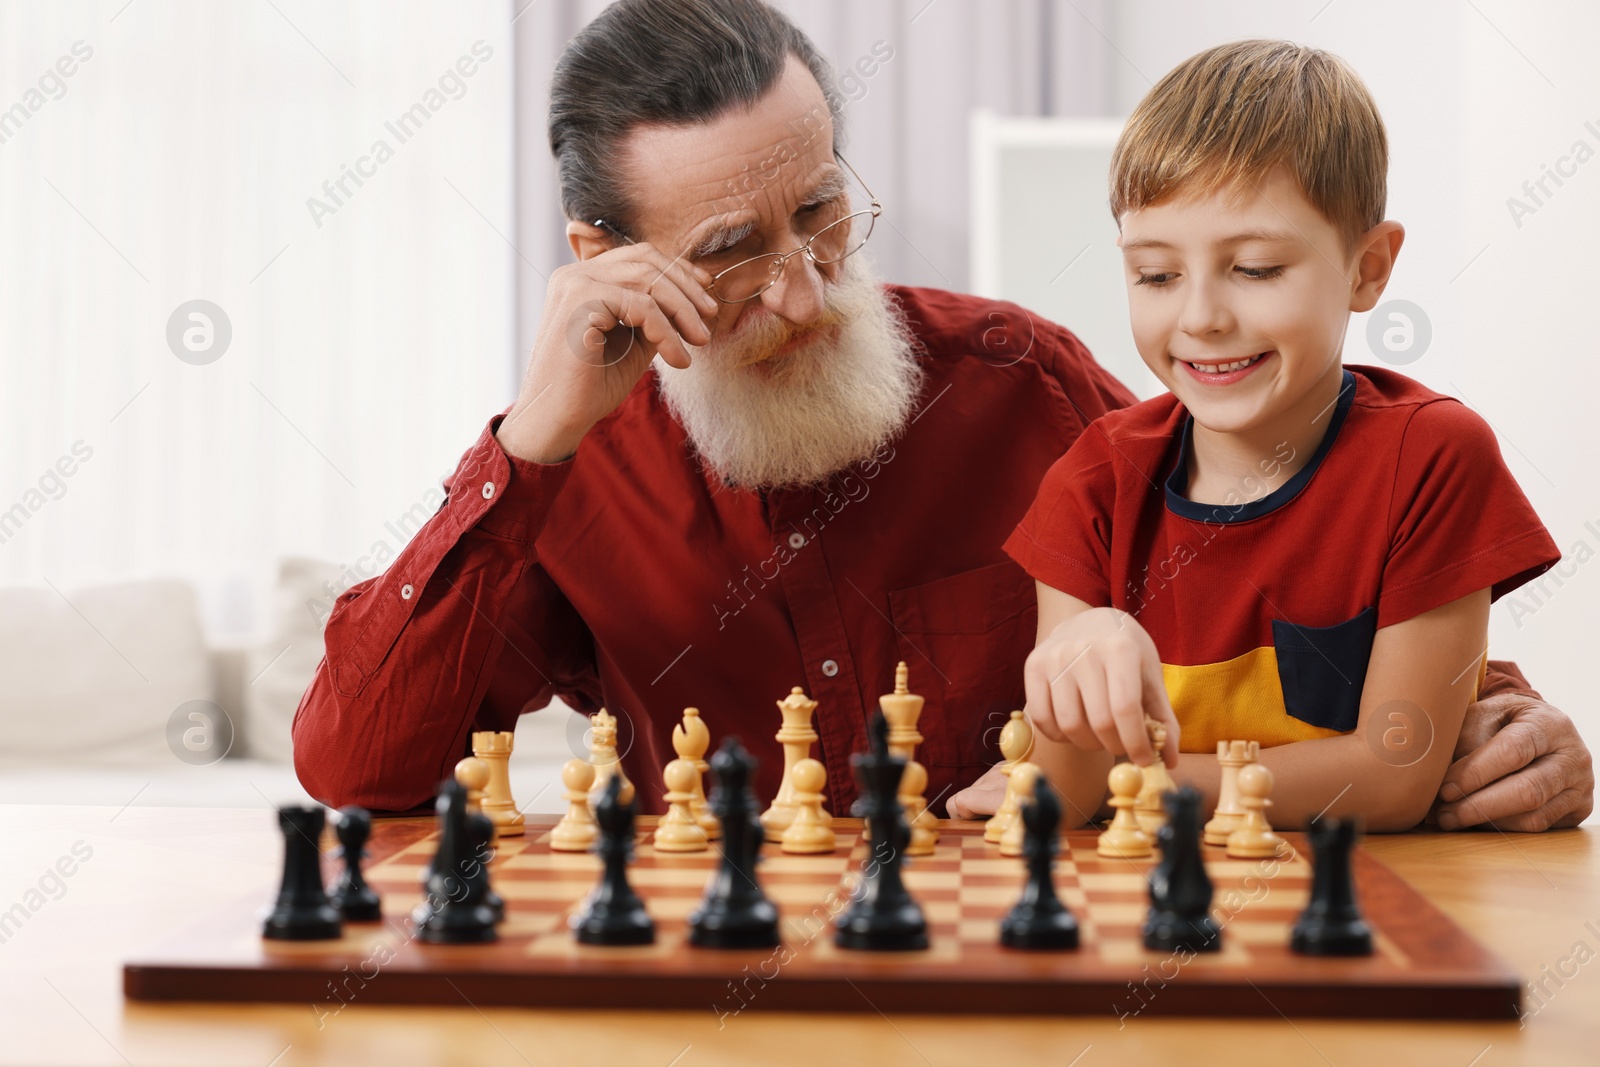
(1040, 920)
(614, 914)
(1180, 890)
(1332, 924)
(455, 911)
(302, 911)
(735, 913)
(480, 833)
(356, 900)
(882, 915)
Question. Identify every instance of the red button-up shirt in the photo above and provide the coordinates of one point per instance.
(631, 578)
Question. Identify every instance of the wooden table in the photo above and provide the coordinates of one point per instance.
(149, 872)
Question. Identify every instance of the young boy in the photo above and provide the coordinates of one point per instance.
(1282, 549)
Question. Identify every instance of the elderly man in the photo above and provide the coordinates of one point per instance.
(739, 463)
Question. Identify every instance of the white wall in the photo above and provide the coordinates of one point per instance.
(1043, 236)
(366, 352)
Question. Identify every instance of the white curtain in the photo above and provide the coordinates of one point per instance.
(212, 151)
(184, 157)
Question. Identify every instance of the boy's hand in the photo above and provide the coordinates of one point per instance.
(1092, 682)
(981, 798)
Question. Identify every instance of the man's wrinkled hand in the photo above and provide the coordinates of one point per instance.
(1519, 765)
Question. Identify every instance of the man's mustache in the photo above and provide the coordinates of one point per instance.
(758, 341)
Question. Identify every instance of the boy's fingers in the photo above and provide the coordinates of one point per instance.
(1071, 715)
(1124, 685)
(956, 806)
(979, 798)
(1037, 709)
(1088, 676)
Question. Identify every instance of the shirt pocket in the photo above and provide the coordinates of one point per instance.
(1322, 669)
(965, 637)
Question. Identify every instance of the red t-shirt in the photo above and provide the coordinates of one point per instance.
(1264, 611)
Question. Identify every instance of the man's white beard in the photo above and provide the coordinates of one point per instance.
(812, 411)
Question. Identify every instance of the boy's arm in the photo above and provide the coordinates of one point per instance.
(1419, 680)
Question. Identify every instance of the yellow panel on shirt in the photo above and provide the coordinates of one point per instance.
(1236, 698)
(1242, 698)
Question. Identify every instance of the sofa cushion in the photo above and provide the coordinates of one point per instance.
(279, 670)
(94, 675)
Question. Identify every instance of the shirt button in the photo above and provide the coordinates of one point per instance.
(830, 667)
(797, 540)
(488, 490)
(405, 592)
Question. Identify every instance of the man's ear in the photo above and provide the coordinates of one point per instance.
(1377, 250)
(588, 240)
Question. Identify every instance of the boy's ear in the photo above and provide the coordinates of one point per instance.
(1376, 252)
(588, 240)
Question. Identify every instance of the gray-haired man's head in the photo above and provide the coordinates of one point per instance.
(709, 130)
(663, 62)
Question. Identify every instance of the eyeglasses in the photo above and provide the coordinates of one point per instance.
(838, 236)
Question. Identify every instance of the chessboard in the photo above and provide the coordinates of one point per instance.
(1424, 966)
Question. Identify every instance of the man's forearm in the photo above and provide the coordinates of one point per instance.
(408, 654)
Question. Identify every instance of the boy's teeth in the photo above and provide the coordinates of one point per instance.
(1223, 368)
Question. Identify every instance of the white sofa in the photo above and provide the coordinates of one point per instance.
(112, 697)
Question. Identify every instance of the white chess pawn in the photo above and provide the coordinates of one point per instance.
(576, 832)
(473, 774)
(690, 739)
(678, 831)
(924, 827)
(1157, 783)
(1016, 743)
(811, 829)
(1254, 839)
(1123, 839)
(1024, 780)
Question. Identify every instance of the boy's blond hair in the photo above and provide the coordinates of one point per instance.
(1230, 114)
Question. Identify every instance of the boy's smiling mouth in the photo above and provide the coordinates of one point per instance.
(1225, 373)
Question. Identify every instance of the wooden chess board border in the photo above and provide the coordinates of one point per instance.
(1444, 973)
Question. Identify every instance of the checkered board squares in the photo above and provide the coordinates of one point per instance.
(1424, 967)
